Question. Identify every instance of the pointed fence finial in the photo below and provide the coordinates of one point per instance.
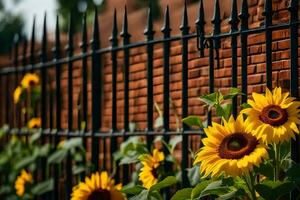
(166, 28)
(69, 47)
(43, 52)
(268, 12)
(114, 35)
(244, 15)
(56, 48)
(217, 18)
(83, 43)
(24, 57)
(149, 29)
(200, 24)
(234, 20)
(32, 46)
(185, 23)
(124, 33)
(95, 42)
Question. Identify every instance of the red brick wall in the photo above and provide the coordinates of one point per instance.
(198, 71)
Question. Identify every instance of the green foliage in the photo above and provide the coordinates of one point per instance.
(271, 190)
(156, 8)
(10, 24)
(77, 8)
(183, 194)
(18, 155)
(193, 121)
(153, 193)
(130, 150)
(220, 102)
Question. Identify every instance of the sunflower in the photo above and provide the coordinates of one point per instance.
(17, 94)
(149, 172)
(99, 186)
(273, 117)
(34, 123)
(229, 148)
(29, 80)
(21, 182)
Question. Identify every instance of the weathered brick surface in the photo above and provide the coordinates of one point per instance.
(198, 71)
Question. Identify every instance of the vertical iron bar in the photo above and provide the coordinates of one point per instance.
(244, 15)
(184, 106)
(217, 30)
(211, 75)
(149, 32)
(126, 40)
(69, 50)
(84, 46)
(214, 44)
(96, 92)
(32, 47)
(166, 30)
(56, 52)
(268, 36)
(43, 57)
(24, 63)
(200, 24)
(24, 56)
(114, 43)
(294, 85)
(84, 95)
(15, 117)
(234, 28)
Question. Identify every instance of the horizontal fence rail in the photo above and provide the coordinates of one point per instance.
(50, 66)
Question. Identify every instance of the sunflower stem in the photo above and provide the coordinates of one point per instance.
(250, 182)
(276, 161)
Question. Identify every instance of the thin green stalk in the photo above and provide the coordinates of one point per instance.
(250, 181)
(276, 161)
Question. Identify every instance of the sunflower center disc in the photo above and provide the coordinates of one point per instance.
(273, 115)
(237, 145)
(154, 173)
(99, 195)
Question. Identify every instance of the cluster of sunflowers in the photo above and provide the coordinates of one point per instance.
(247, 157)
(29, 89)
(241, 158)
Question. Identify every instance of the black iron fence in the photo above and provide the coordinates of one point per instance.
(205, 42)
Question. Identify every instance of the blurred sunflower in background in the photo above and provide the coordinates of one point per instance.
(30, 79)
(274, 116)
(229, 149)
(98, 186)
(18, 94)
(34, 123)
(149, 174)
(22, 181)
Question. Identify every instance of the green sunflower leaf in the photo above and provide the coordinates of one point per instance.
(140, 196)
(199, 188)
(209, 99)
(194, 175)
(232, 93)
(133, 190)
(271, 190)
(170, 180)
(183, 194)
(193, 121)
(43, 187)
(57, 156)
